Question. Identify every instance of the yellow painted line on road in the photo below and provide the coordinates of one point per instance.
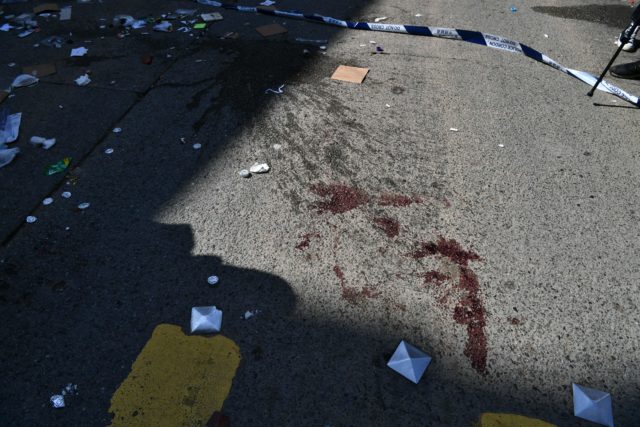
(176, 380)
(489, 419)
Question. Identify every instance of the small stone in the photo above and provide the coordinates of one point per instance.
(259, 168)
(66, 194)
(47, 201)
(213, 280)
(83, 206)
(31, 219)
(244, 173)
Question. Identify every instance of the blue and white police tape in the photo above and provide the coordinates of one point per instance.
(490, 40)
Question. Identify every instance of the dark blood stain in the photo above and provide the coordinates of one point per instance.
(435, 277)
(353, 295)
(398, 200)
(306, 239)
(390, 226)
(469, 310)
(446, 248)
(514, 321)
(338, 198)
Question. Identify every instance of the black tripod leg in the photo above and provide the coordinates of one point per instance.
(615, 55)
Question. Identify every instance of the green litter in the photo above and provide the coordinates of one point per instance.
(200, 26)
(58, 166)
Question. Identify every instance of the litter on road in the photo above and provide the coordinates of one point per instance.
(58, 166)
(57, 401)
(206, 320)
(83, 206)
(278, 91)
(346, 73)
(43, 142)
(250, 313)
(271, 30)
(31, 219)
(210, 17)
(244, 173)
(83, 80)
(592, 405)
(9, 126)
(79, 51)
(24, 80)
(47, 201)
(409, 361)
(108, 151)
(66, 194)
(213, 280)
(7, 155)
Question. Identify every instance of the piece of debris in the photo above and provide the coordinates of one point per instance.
(7, 155)
(546, 36)
(592, 405)
(271, 30)
(210, 17)
(108, 151)
(249, 314)
(44, 142)
(229, 35)
(453, 129)
(57, 401)
(244, 173)
(501, 145)
(267, 3)
(213, 280)
(350, 74)
(163, 26)
(382, 18)
(9, 126)
(31, 219)
(66, 194)
(65, 13)
(47, 201)
(58, 167)
(514, 9)
(84, 205)
(24, 80)
(259, 168)
(277, 146)
(79, 51)
(6, 27)
(26, 33)
(147, 59)
(418, 15)
(312, 41)
(200, 26)
(83, 80)
(409, 361)
(53, 41)
(197, 146)
(276, 91)
(206, 320)
(123, 21)
(116, 130)
(41, 70)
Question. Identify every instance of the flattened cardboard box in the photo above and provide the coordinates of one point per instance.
(350, 74)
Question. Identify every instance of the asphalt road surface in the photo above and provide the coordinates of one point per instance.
(507, 250)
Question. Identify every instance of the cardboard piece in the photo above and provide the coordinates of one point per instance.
(409, 362)
(592, 405)
(46, 8)
(40, 70)
(350, 74)
(271, 30)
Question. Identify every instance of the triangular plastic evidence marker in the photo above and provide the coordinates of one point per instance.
(409, 361)
(592, 405)
(206, 320)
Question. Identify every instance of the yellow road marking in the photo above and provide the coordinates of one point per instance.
(177, 380)
(489, 419)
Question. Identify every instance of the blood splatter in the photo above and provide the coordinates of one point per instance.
(469, 309)
(341, 198)
(390, 226)
(447, 248)
(353, 295)
(398, 200)
(435, 277)
(306, 239)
